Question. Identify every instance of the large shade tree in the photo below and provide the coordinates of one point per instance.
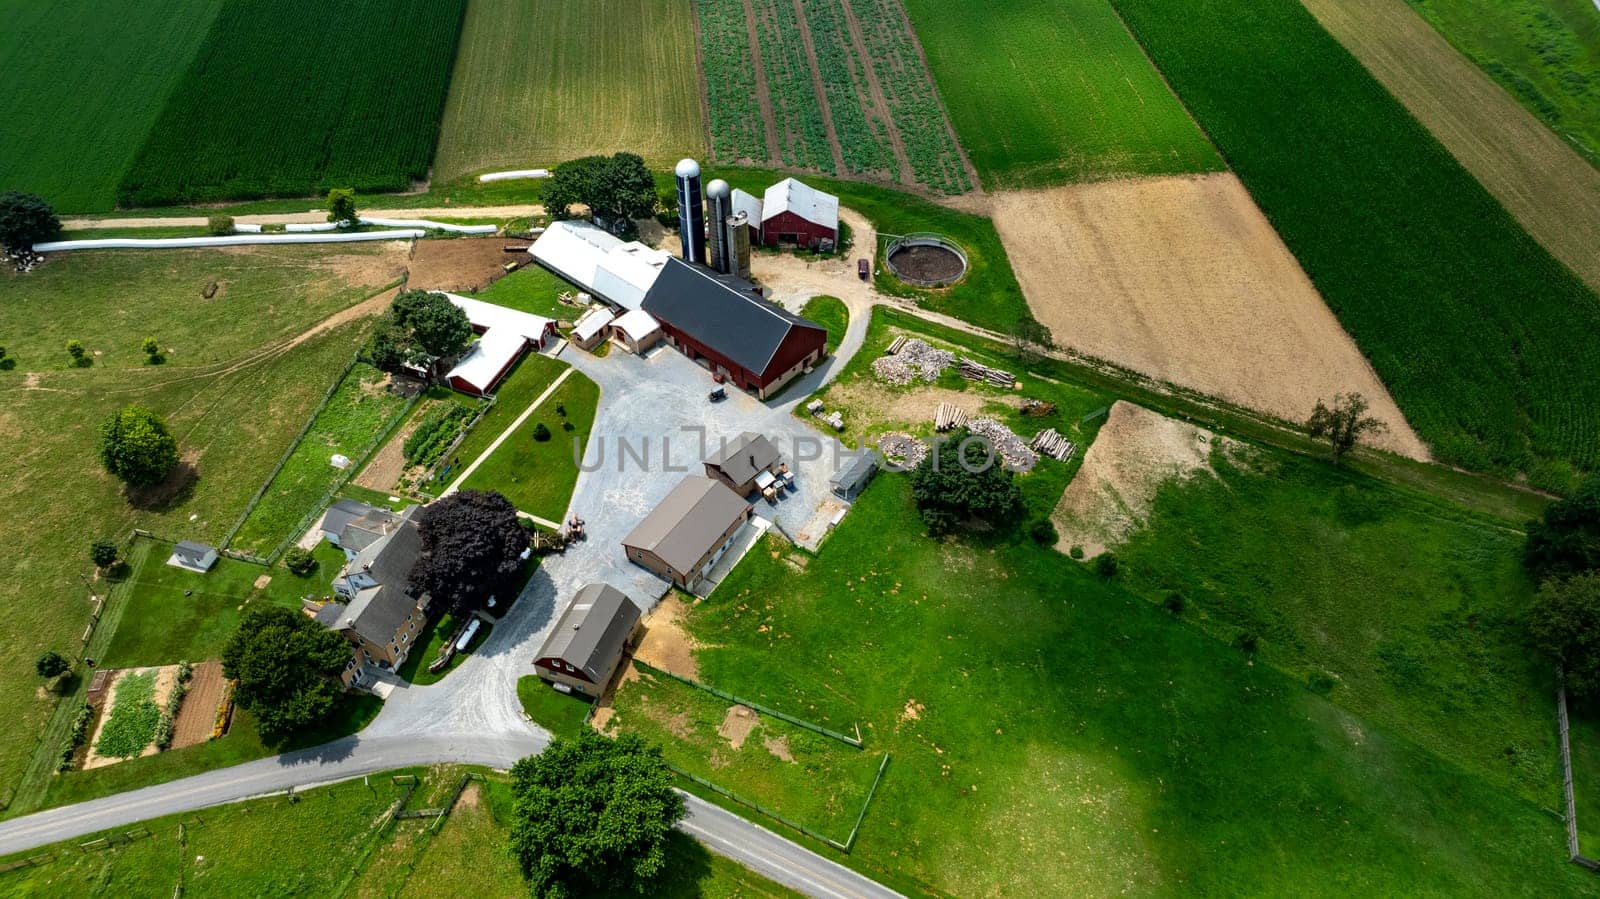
(1564, 621)
(616, 189)
(136, 446)
(962, 482)
(287, 667)
(472, 548)
(1566, 540)
(592, 816)
(421, 326)
(26, 219)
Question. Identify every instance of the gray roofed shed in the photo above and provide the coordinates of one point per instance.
(689, 522)
(853, 478)
(592, 633)
(742, 458)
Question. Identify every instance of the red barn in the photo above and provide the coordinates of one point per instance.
(792, 213)
(723, 323)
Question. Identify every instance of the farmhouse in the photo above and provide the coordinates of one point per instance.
(739, 463)
(505, 335)
(721, 322)
(688, 531)
(194, 556)
(589, 640)
(380, 617)
(353, 526)
(792, 213)
(616, 271)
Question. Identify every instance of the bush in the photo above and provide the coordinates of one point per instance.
(136, 446)
(80, 357)
(1043, 532)
(51, 664)
(300, 561)
(26, 219)
(219, 225)
(163, 734)
(1174, 603)
(1322, 682)
(152, 351)
(540, 432)
(342, 206)
(1246, 641)
(1106, 564)
(103, 553)
(1076, 552)
(6, 362)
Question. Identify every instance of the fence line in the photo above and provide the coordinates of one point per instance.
(850, 843)
(723, 694)
(1571, 817)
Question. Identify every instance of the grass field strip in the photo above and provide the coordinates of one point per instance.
(506, 434)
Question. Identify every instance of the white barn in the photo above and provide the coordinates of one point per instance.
(505, 335)
(619, 272)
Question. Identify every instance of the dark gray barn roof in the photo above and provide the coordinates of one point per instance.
(593, 629)
(743, 456)
(721, 312)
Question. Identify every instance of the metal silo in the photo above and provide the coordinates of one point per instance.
(719, 199)
(691, 212)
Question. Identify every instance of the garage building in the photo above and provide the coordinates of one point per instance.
(723, 323)
(589, 641)
(688, 531)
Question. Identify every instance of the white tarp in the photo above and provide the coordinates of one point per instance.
(515, 174)
(431, 225)
(226, 240)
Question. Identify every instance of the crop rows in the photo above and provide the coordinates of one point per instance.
(1490, 346)
(863, 134)
(346, 93)
(794, 97)
(913, 101)
(735, 110)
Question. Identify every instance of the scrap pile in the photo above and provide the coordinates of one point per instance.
(834, 418)
(23, 261)
(1011, 448)
(973, 370)
(949, 416)
(1037, 408)
(913, 359)
(903, 449)
(1052, 444)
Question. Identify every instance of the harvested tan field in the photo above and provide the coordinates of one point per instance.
(1536, 176)
(1185, 280)
(1135, 453)
(464, 264)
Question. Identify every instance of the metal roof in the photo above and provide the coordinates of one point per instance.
(616, 271)
(854, 476)
(749, 204)
(809, 203)
(592, 631)
(743, 456)
(689, 522)
(637, 324)
(593, 322)
(723, 313)
(376, 612)
(342, 513)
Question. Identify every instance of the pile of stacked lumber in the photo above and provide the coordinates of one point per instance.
(1011, 448)
(949, 416)
(912, 360)
(902, 449)
(973, 370)
(1052, 444)
(895, 345)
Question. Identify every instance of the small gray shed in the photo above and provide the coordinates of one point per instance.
(853, 478)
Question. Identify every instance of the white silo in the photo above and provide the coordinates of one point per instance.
(691, 212)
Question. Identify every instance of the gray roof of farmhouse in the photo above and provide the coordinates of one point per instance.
(593, 629)
(688, 522)
(377, 612)
(721, 312)
(743, 456)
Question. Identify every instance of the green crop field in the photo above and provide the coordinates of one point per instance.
(234, 415)
(1488, 344)
(538, 83)
(854, 66)
(342, 94)
(1046, 93)
(1546, 53)
(84, 82)
(358, 415)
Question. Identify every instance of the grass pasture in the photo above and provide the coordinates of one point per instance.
(519, 388)
(1546, 53)
(345, 94)
(539, 83)
(534, 289)
(538, 475)
(358, 415)
(831, 313)
(85, 82)
(1045, 93)
(1484, 340)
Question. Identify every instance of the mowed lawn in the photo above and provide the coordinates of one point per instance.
(1486, 342)
(534, 289)
(233, 420)
(1546, 53)
(359, 414)
(339, 94)
(519, 388)
(84, 82)
(538, 475)
(1047, 93)
(538, 83)
(1098, 744)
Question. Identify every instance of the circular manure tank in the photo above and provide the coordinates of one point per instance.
(926, 260)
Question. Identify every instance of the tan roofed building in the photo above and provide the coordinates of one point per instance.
(688, 531)
(589, 641)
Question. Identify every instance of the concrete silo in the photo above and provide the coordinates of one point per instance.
(719, 200)
(691, 212)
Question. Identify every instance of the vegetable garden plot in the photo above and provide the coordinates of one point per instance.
(731, 100)
(338, 94)
(863, 131)
(794, 98)
(918, 114)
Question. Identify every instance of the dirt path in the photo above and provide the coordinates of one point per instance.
(1184, 279)
(389, 462)
(817, 87)
(1542, 182)
(311, 216)
(769, 115)
(198, 714)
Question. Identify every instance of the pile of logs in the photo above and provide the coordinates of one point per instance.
(1037, 408)
(973, 370)
(948, 417)
(894, 347)
(1011, 448)
(1052, 444)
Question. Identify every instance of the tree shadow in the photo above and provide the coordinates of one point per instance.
(687, 872)
(176, 490)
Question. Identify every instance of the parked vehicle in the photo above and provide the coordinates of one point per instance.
(718, 395)
(863, 269)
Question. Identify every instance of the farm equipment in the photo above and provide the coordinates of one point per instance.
(718, 395)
